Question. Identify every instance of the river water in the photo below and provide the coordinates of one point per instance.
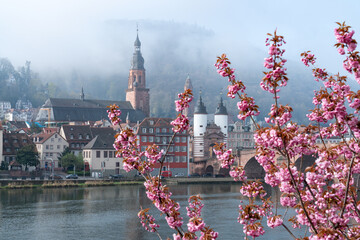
(111, 212)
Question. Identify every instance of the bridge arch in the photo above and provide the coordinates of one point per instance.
(254, 170)
(209, 169)
(304, 161)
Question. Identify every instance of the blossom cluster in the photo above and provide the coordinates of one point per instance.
(181, 123)
(147, 220)
(276, 76)
(246, 105)
(251, 214)
(224, 155)
(344, 36)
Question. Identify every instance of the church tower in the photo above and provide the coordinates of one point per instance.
(137, 93)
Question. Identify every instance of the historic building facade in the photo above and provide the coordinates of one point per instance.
(159, 131)
(205, 135)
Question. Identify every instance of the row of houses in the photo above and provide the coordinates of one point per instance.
(95, 144)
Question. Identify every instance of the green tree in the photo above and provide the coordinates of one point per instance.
(71, 160)
(66, 151)
(28, 156)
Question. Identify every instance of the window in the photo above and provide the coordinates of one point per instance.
(105, 154)
(52, 139)
(171, 130)
(157, 139)
(77, 145)
(47, 154)
(143, 138)
(171, 159)
(158, 130)
(58, 146)
(183, 148)
(201, 125)
(110, 154)
(164, 130)
(51, 154)
(183, 139)
(64, 146)
(72, 145)
(55, 135)
(71, 136)
(15, 140)
(183, 158)
(177, 158)
(97, 154)
(151, 130)
(117, 164)
(164, 140)
(47, 147)
(80, 136)
(177, 139)
(104, 164)
(8, 150)
(171, 149)
(143, 148)
(143, 130)
(51, 147)
(151, 122)
(87, 136)
(151, 139)
(25, 141)
(177, 149)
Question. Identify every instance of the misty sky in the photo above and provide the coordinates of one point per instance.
(63, 34)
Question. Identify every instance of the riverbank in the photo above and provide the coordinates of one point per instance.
(18, 184)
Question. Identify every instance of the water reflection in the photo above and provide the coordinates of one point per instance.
(109, 212)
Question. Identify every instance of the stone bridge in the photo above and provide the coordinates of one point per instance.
(246, 158)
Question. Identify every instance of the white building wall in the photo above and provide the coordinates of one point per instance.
(51, 149)
(200, 123)
(199, 146)
(96, 164)
(222, 122)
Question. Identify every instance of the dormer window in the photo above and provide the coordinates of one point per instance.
(87, 136)
(80, 136)
(71, 136)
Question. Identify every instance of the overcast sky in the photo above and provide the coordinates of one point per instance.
(60, 33)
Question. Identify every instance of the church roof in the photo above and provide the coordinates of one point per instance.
(64, 109)
(102, 140)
